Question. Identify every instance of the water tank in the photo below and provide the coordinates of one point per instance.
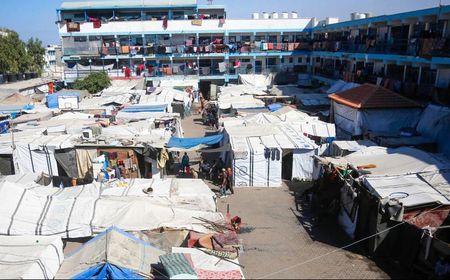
(361, 16)
(255, 16)
(353, 16)
(275, 15)
(285, 15)
(294, 15)
(265, 15)
(368, 15)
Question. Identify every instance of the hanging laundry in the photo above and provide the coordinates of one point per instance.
(279, 46)
(265, 46)
(197, 22)
(237, 64)
(165, 23)
(73, 27)
(270, 46)
(222, 67)
(221, 21)
(189, 42)
(97, 24)
(291, 47)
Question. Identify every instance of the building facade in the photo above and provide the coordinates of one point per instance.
(177, 39)
(411, 50)
(180, 39)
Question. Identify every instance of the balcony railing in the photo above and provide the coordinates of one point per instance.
(257, 47)
(74, 74)
(414, 47)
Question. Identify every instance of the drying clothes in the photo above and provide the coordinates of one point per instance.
(189, 42)
(165, 23)
(97, 24)
(177, 265)
(197, 22)
(84, 161)
(290, 46)
(128, 163)
(210, 274)
(222, 67)
(265, 46)
(125, 49)
(206, 70)
(270, 46)
(279, 46)
(168, 49)
(163, 158)
(237, 64)
(221, 21)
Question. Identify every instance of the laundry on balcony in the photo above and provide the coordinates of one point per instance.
(125, 49)
(197, 22)
(73, 27)
(222, 67)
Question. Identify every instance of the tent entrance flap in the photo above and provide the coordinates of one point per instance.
(286, 171)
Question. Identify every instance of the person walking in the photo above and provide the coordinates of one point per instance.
(224, 182)
(229, 180)
(184, 162)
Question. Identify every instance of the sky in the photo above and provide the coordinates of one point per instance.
(36, 18)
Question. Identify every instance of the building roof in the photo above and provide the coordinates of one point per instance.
(368, 96)
(386, 18)
(114, 4)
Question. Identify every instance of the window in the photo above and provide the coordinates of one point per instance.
(245, 60)
(282, 60)
(260, 38)
(291, 60)
(95, 38)
(308, 60)
(299, 60)
(245, 38)
(272, 39)
(80, 39)
(232, 39)
(317, 59)
(271, 61)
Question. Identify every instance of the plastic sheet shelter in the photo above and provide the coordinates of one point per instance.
(372, 108)
(113, 254)
(189, 143)
(30, 257)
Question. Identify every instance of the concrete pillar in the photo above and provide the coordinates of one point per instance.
(404, 73)
(420, 75)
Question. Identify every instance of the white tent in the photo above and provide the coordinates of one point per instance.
(257, 153)
(84, 210)
(113, 247)
(30, 257)
(259, 81)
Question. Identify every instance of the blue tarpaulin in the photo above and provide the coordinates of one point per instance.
(52, 99)
(275, 107)
(145, 108)
(107, 271)
(187, 143)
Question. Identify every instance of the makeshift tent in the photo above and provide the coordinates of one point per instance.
(274, 107)
(81, 211)
(372, 108)
(341, 85)
(113, 254)
(343, 148)
(189, 143)
(257, 154)
(261, 81)
(30, 257)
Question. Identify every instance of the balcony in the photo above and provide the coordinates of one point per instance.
(422, 47)
(187, 51)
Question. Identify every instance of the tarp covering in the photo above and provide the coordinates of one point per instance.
(188, 143)
(275, 107)
(398, 161)
(30, 257)
(410, 190)
(113, 254)
(81, 211)
(353, 122)
(52, 99)
(255, 80)
(145, 108)
(434, 123)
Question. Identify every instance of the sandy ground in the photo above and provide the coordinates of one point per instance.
(281, 242)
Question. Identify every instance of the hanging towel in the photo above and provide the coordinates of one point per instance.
(222, 67)
(270, 46)
(125, 49)
(265, 46)
(189, 42)
(279, 46)
(165, 23)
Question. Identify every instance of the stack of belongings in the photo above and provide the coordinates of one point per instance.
(209, 256)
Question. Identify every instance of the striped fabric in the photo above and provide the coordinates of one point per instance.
(176, 264)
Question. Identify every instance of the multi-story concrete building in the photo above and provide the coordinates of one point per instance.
(180, 39)
(53, 56)
(410, 49)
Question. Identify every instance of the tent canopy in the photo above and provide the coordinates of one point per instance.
(188, 143)
(114, 253)
(30, 257)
